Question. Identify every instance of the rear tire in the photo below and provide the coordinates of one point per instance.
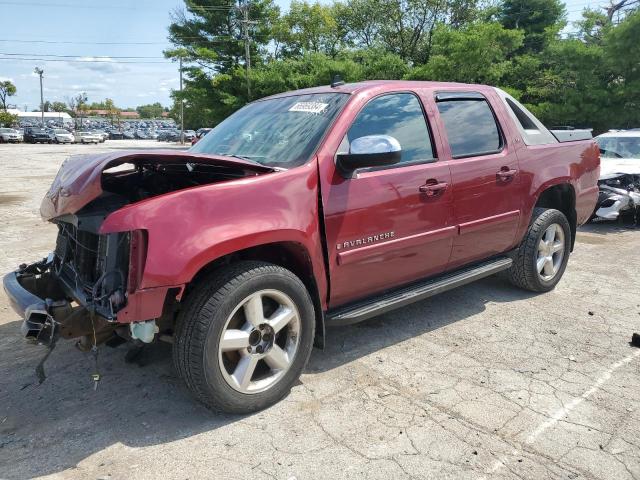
(542, 257)
(244, 336)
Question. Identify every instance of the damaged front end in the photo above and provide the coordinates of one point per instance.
(92, 285)
(78, 290)
(619, 195)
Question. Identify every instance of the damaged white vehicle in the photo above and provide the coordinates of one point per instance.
(619, 175)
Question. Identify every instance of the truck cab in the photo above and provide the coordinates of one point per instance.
(320, 206)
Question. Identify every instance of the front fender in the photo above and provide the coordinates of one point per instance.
(190, 228)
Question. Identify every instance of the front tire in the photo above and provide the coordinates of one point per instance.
(542, 257)
(244, 336)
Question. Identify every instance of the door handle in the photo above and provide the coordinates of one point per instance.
(433, 188)
(505, 174)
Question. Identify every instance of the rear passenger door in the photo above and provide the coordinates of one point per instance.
(484, 174)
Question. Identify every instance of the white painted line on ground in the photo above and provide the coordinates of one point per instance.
(565, 410)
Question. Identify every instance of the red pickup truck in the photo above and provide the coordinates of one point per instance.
(323, 206)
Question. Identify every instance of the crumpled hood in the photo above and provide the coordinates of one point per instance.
(78, 181)
(612, 166)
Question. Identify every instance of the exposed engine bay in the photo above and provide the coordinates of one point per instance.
(619, 195)
(146, 179)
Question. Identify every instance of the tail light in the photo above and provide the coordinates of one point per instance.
(137, 259)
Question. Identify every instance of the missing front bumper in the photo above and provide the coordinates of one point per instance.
(38, 296)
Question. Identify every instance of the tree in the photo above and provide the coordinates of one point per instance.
(622, 51)
(7, 119)
(58, 107)
(210, 33)
(540, 20)
(77, 103)
(112, 110)
(617, 6)
(150, 111)
(478, 53)
(587, 79)
(313, 28)
(7, 89)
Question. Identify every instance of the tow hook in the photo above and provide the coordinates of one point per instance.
(144, 331)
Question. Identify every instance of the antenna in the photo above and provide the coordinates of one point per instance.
(337, 81)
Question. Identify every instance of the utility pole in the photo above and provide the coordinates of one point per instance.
(181, 107)
(40, 71)
(247, 47)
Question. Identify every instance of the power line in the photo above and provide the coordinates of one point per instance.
(107, 7)
(98, 58)
(74, 61)
(79, 42)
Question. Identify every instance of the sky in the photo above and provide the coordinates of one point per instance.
(70, 31)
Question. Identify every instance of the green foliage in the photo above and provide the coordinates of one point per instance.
(477, 53)
(589, 79)
(7, 119)
(7, 89)
(153, 110)
(59, 107)
(311, 28)
(540, 20)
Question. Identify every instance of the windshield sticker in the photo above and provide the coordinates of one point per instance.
(309, 107)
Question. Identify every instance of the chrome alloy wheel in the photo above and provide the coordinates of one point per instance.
(550, 252)
(259, 341)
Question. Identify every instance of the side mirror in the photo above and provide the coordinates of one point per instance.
(369, 151)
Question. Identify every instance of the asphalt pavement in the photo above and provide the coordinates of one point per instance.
(485, 381)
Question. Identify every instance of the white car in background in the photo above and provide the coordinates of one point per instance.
(619, 174)
(87, 137)
(63, 136)
(10, 135)
(103, 135)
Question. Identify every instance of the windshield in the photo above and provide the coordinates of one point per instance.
(60, 131)
(6, 130)
(281, 132)
(619, 147)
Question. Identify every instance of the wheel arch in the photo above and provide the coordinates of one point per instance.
(287, 254)
(561, 196)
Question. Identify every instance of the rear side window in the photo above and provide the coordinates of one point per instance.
(400, 116)
(525, 122)
(471, 127)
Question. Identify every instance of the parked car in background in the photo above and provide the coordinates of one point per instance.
(201, 132)
(115, 135)
(38, 135)
(9, 135)
(63, 136)
(102, 134)
(323, 206)
(619, 175)
(189, 135)
(87, 137)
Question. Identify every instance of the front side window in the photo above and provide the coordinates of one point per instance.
(471, 127)
(398, 115)
(280, 132)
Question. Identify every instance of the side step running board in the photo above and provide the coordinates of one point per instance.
(407, 295)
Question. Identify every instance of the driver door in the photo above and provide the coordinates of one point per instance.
(384, 228)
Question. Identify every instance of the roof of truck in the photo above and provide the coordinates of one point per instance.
(351, 88)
